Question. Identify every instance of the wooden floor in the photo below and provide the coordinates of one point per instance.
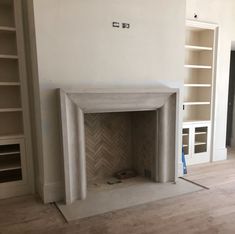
(208, 211)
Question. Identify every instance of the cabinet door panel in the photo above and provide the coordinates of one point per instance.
(200, 137)
(186, 140)
(198, 143)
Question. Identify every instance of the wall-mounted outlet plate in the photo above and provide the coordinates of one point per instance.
(125, 25)
(116, 24)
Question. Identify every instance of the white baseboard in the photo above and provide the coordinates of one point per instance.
(53, 192)
(39, 187)
(180, 169)
(14, 189)
(233, 142)
(219, 154)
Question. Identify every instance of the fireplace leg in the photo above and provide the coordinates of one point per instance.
(166, 141)
(81, 155)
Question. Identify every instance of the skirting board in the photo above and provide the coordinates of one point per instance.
(14, 189)
(180, 169)
(53, 192)
(233, 142)
(110, 200)
(220, 155)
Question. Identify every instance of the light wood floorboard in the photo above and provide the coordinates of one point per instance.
(208, 211)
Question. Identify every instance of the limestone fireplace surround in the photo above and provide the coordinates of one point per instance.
(75, 104)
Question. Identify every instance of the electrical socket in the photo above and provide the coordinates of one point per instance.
(125, 25)
(116, 24)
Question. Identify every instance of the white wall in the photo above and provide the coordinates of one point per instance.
(77, 47)
(221, 12)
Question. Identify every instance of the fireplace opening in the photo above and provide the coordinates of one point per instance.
(120, 148)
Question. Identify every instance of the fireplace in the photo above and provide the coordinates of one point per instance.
(108, 131)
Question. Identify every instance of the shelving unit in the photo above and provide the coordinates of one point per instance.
(15, 138)
(200, 53)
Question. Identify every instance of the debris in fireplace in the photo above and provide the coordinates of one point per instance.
(125, 174)
(113, 181)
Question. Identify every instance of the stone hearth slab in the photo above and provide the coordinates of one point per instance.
(99, 202)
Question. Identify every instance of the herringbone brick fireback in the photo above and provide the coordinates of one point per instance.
(108, 144)
(113, 138)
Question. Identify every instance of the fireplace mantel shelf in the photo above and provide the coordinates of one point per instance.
(118, 100)
(162, 89)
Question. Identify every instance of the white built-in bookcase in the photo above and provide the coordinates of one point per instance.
(16, 171)
(199, 80)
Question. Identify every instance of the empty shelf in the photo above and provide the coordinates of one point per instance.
(10, 166)
(7, 29)
(198, 48)
(197, 85)
(196, 103)
(6, 56)
(9, 153)
(9, 83)
(11, 136)
(204, 121)
(200, 143)
(10, 109)
(200, 133)
(197, 66)
(185, 146)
